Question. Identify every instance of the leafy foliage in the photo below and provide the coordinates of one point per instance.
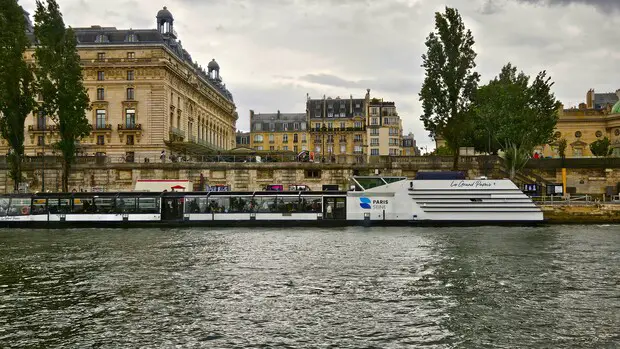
(601, 147)
(450, 81)
(519, 115)
(59, 75)
(562, 145)
(17, 84)
(442, 151)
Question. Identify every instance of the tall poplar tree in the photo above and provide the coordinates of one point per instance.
(16, 84)
(450, 81)
(59, 75)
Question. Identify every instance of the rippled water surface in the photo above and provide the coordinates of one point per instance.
(544, 287)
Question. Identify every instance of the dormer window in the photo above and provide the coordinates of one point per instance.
(131, 38)
(101, 38)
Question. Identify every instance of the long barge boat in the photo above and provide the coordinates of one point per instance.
(371, 200)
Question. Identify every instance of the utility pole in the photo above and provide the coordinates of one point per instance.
(43, 144)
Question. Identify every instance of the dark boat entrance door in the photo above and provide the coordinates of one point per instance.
(335, 208)
(172, 209)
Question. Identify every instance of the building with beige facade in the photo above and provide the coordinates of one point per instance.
(595, 119)
(278, 132)
(148, 97)
(384, 129)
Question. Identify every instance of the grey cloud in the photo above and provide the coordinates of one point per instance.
(388, 84)
(604, 5)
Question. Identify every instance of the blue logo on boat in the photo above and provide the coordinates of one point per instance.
(365, 203)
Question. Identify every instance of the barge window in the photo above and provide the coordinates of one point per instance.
(197, 205)
(59, 206)
(84, 205)
(219, 204)
(104, 205)
(125, 205)
(148, 205)
(19, 207)
(4, 206)
(39, 206)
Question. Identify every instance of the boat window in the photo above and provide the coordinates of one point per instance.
(125, 205)
(104, 205)
(19, 207)
(197, 204)
(83, 205)
(4, 206)
(266, 204)
(39, 206)
(240, 204)
(148, 205)
(312, 204)
(393, 179)
(59, 206)
(219, 204)
(288, 204)
(370, 182)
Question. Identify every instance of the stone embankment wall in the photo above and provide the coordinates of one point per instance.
(240, 176)
(582, 214)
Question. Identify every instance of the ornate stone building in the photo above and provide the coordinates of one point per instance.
(583, 125)
(384, 129)
(148, 96)
(279, 131)
(337, 128)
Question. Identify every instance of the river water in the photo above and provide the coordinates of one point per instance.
(542, 287)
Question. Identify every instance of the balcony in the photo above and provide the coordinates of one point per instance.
(129, 127)
(43, 128)
(339, 129)
(101, 128)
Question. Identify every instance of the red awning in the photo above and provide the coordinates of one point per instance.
(178, 187)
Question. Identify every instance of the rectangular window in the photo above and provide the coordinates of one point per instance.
(374, 151)
(295, 149)
(260, 147)
(357, 149)
(100, 140)
(100, 94)
(272, 127)
(285, 148)
(41, 120)
(130, 140)
(40, 141)
(258, 139)
(130, 118)
(271, 138)
(130, 94)
(343, 149)
(101, 56)
(130, 76)
(343, 139)
(285, 139)
(303, 138)
(295, 138)
(296, 126)
(258, 126)
(271, 147)
(357, 138)
(100, 120)
(312, 174)
(343, 125)
(100, 76)
(374, 141)
(131, 55)
(358, 124)
(317, 126)
(374, 121)
(374, 132)
(285, 126)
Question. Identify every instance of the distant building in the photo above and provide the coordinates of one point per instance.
(243, 139)
(278, 131)
(409, 146)
(584, 125)
(600, 101)
(384, 128)
(337, 128)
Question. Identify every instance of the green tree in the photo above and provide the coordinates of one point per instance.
(442, 151)
(519, 115)
(601, 147)
(59, 75)
(450, 81)
(17, 84)
(562, 145)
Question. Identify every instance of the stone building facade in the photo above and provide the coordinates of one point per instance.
(583, 125)
(279, 132)
(147, 95)
(384, 129)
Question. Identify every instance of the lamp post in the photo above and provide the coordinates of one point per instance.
(43, 145)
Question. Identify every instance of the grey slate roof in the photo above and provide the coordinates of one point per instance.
(349, 107)
(276, 121)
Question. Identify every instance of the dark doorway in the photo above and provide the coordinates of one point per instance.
(335, 208)
(172, 209)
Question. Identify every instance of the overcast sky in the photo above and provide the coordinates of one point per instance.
(273, 52)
